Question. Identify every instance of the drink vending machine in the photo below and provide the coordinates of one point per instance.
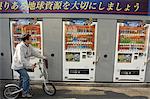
(20, 26)
(131, 51)
(79, 50)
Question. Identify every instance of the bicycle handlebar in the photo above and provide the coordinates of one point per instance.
(45, 62)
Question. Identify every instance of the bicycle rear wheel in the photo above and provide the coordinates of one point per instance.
(50, 90)
(8, 92)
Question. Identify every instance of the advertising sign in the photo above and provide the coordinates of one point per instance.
(128, 7)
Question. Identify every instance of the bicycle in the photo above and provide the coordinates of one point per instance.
(12, 91)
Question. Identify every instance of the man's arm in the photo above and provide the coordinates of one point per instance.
(36, 53)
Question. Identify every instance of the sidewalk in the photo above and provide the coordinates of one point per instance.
(88, 90)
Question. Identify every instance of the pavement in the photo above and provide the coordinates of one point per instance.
(89, 90)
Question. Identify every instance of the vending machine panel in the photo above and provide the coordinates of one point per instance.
(79, 50)
(131, 51)
(21, 26)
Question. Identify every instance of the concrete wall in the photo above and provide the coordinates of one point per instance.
(1, 54)
(147, 77)
(5, 50)
(52, 31)
(106, 50)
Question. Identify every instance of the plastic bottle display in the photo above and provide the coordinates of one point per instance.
(79, 37)
(34, 30)
(132, 38)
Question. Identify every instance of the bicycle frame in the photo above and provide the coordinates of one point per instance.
(44, 73)
(14, 85)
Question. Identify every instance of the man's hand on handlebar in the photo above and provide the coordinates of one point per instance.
(147, 61)
(45, 58)
(33, 66)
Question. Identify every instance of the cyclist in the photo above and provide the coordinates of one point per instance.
(20, 62)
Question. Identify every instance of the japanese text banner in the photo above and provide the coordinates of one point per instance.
(129, 7)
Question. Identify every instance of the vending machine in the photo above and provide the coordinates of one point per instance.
(33, 27)
(79, 49)
(131, 51)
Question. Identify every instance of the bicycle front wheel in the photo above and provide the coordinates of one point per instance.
(50, 90)
(8, 92)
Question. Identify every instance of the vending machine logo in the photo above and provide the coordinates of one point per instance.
(129, 7)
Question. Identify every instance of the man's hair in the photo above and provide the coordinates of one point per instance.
(25, 37)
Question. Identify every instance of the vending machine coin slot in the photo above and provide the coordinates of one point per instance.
(83, 55)
(142, 70)
(93, 53)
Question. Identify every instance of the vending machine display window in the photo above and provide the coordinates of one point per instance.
(132, 38)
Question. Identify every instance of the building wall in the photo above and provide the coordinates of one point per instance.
(52, 32)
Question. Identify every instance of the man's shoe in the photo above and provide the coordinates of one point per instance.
(27, 96)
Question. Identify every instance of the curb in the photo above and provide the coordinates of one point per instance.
(86, 84)
(89, 84)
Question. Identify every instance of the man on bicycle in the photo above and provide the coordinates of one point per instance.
(20, 62)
